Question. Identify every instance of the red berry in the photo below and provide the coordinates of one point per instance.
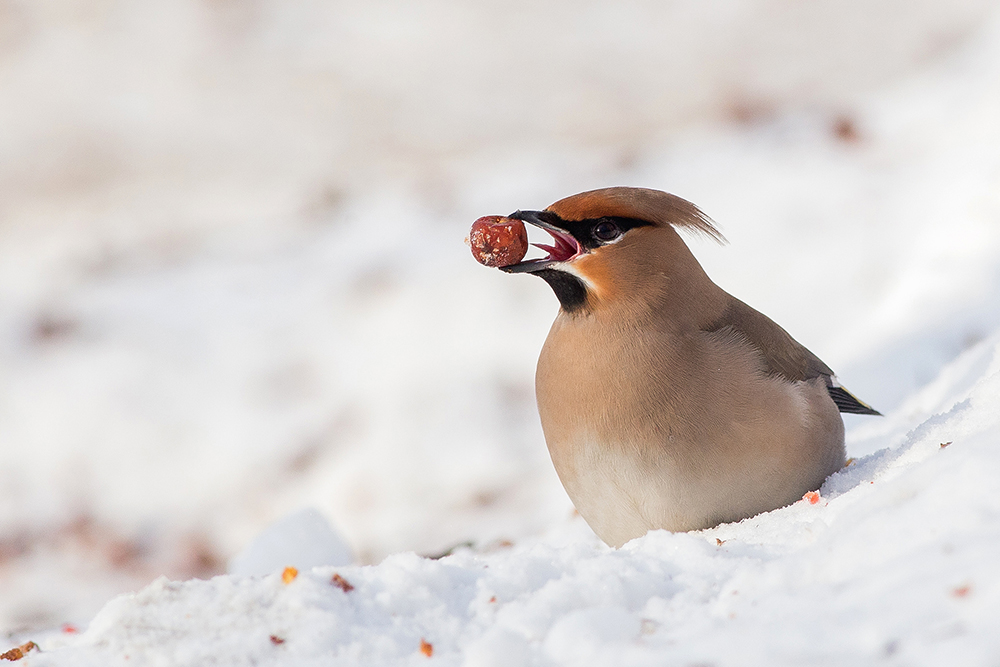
(498, 241)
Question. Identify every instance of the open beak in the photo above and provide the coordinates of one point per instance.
(564, 246)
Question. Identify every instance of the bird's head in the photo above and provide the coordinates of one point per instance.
(614, 244)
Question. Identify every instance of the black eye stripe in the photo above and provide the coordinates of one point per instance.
(582, 230)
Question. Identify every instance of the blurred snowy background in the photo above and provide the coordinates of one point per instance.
(232, 277)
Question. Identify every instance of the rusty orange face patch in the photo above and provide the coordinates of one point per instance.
(595, 271)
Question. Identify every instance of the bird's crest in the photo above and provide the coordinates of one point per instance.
(660, 208)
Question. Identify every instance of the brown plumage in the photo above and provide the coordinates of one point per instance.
(666, 402)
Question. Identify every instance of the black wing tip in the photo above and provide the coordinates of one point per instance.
(849, 403)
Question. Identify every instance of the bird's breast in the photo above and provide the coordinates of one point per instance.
(674, 432)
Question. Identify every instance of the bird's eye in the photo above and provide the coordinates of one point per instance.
(606, 231)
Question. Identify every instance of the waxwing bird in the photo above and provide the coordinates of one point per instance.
(666, 402)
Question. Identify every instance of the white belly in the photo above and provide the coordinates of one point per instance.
(623, 490)
(619, 495)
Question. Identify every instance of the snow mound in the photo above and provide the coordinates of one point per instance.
(305, 537)
(896, 560)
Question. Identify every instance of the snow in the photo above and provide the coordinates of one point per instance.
(304, 538)
(896, 561)
(239, 325)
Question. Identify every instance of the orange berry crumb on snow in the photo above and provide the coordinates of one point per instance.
(812, 497)
(289, 574)
(426, 647)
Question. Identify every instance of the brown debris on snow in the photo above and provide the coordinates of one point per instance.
(341, 583)
(19, 652)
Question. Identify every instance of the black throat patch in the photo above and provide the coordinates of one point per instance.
(569, 289)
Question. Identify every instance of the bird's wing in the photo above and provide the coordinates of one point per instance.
(783, 355)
